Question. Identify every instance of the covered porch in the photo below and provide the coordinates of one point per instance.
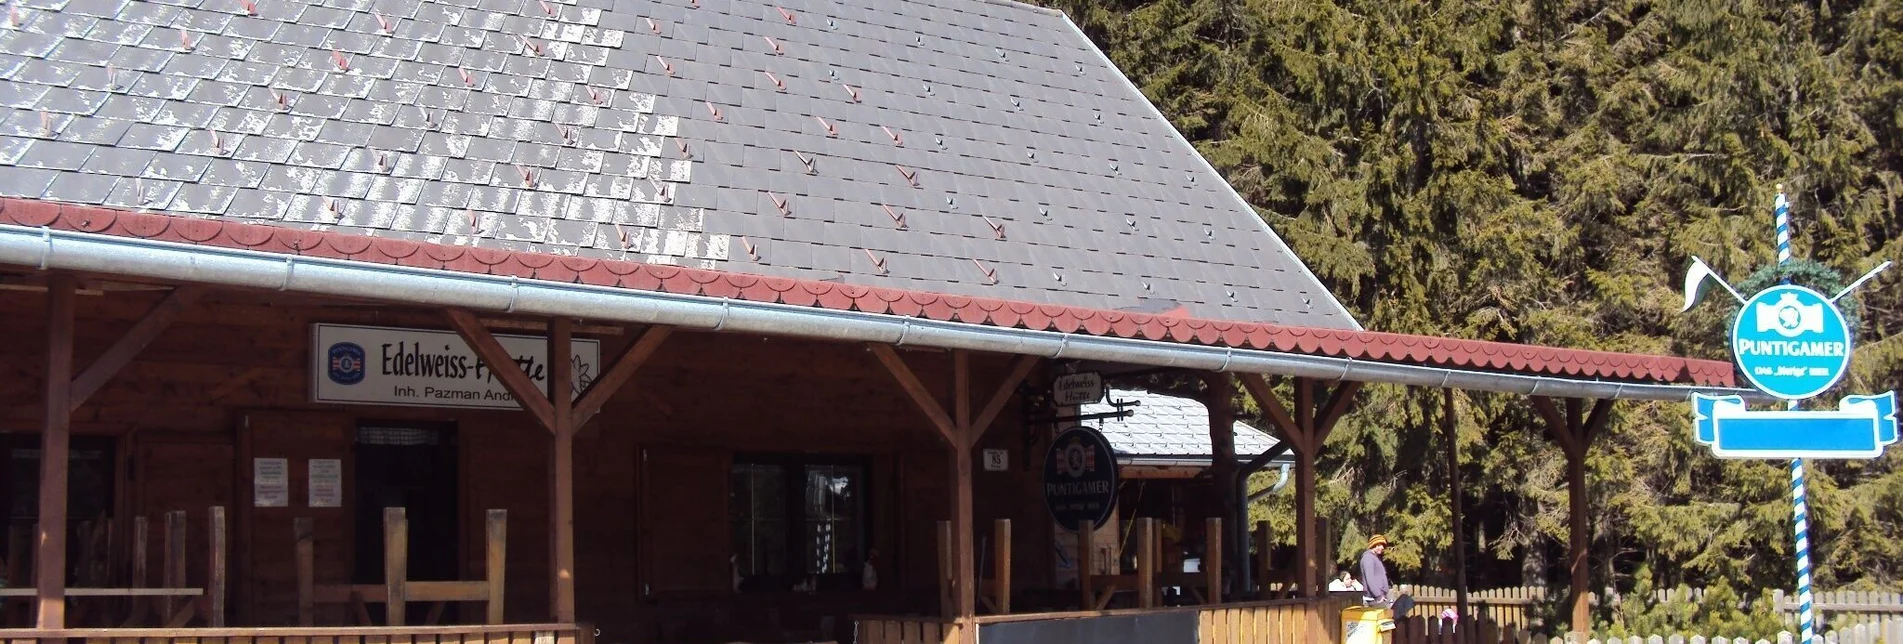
(671, 385)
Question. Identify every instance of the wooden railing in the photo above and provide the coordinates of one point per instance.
(1289, 621)
(503, 634)
(906, 630)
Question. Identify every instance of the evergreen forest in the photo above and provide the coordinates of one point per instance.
(1542, 171)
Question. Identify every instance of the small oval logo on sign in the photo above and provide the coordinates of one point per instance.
(346, 363)
(1080, 478)
(1791, 342)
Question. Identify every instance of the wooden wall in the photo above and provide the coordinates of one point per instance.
(228, 382)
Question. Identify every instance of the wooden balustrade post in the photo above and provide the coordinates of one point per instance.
(1212, 560)
(947, 561)
(1264, 545)
(1146, 562)
(1001, 535)
(396, 564)
(215, 580)
(1085, 567)
(174, 574)
(496, 549)
(305, 535)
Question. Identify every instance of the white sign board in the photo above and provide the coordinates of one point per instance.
(327, 483)
(423, 368)
(997, 460)
(1078, 388)
(270, 482)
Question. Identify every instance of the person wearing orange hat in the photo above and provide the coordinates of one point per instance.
(1375, 590)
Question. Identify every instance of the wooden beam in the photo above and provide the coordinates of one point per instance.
(135, 340)
(920, 395)
(49, 571)
(1085, 567)
(1556, 425)
(1273, 410)
(561, 393)
(618, 374)
(1020, 369)
(1337, 406)
(1146, 562)
(1597, 421)
(503, 366)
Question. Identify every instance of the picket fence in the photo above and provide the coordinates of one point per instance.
(1846, 617)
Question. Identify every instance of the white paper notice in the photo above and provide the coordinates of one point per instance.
(327, 483)
(270, 482)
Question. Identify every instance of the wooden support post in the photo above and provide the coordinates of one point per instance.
(50, 569)
(558, 411)
(1264, 545)
(1447, 422)
(1307, 429)
(1146, 563)
(1305, 489)
(305, 535)
(1212, 560)
(561, 394)
(495, 554)
(947, 604)
(1085, 567)
(1001, 567)
(174, 573)
(1574, 432)
(1324, 554)
(396, 565)
(961, 431)
(215, 581)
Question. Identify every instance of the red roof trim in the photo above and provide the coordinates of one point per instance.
(1173, 326)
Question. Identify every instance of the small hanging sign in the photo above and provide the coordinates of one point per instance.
(1078, 388)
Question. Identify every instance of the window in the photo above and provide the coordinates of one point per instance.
(795, 518)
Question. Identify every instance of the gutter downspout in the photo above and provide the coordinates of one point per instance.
(91, 252)
(1239, 532)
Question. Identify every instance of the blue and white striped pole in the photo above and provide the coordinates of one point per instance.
(1800, 509)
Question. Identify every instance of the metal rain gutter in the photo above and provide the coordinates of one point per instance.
(77, 251)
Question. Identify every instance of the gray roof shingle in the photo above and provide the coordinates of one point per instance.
(1001, 135)
(1168, 427)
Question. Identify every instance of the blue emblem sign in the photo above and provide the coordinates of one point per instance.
(346, 363)
(1791, 342)
(1080, 478)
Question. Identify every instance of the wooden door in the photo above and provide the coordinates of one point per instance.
(684, 532)
(265, 556)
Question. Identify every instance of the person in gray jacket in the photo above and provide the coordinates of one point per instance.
(1376, 590)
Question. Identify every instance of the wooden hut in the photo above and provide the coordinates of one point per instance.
(462, 320)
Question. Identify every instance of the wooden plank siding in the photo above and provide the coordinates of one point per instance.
(182, 406)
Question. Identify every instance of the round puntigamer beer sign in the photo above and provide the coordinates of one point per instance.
(1080, 478)
(1791, 342)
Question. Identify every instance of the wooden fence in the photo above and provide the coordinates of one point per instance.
(1510, 607)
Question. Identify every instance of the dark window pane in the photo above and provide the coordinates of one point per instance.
(834, 506)
(757, 509)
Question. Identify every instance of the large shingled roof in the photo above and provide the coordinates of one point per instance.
(964, 147)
